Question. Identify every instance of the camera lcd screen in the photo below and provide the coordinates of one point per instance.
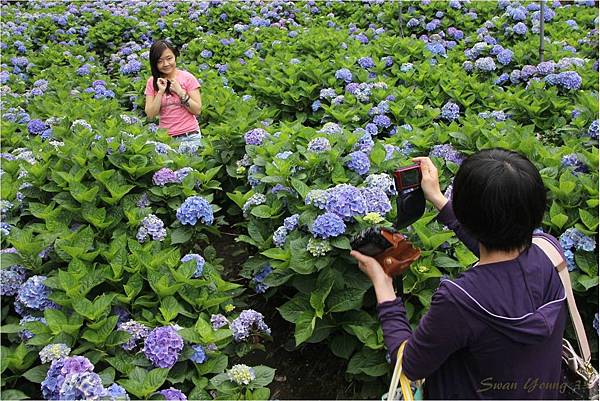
(410, 178)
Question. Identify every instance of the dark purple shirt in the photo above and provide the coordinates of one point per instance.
(494, 332)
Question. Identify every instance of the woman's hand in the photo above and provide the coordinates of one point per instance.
(162, 85)
(430, 182)
(384, 288)
(176, 87)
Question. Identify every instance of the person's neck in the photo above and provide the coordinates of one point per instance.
(487, 256)
(171, 75)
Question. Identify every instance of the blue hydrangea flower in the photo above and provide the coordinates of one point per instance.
(450, 111)
(59, 371)
(217, 321)
(319, 144)
(199, 354)
(382, 121)
(151, 226)
(366, 62)
(331, 128)
(593, 130)
(291, 223)
(485, 64)
(359, 162)
(436, 48)
(364, 144)
(114, 393)
(569, 80)
(406, 67)
(520, 28)
(11, 280)
(344, 74)
(255, 136)
(259, 286)
(247, 323)
(137, 330)
(381, 181)
(377, 201)
(346, 201)
(279, 236)
(328, 225)
(573, 161)
(164, 176)
(194, 209)
(316, 105)
(447, 152)
(504, 57)
(254, 200)
(26, 334)
(199, 263)
(317, 197)
(284, 155)
(81, 386)
(502, 79)
(34, 294)
(546, 67)
(173, 394)
(162, 346)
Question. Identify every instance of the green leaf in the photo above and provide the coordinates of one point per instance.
(324, 285)
(368, 362)
(293, 308)
(13, 395)
(37, 374)
(343, 345)
(181, 235)
(378, 154)
(345, 300)
(261, 211)
(154, 379)
(300, 187)
(304, 327)
(9, 259)
(559, 220)
(341, 243)
(277, 253)
(264, 376)
(588, 219)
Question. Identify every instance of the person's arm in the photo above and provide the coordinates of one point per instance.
(440, 332)
(431, 189)
(194, 103)
(152, 108)
(190, 99)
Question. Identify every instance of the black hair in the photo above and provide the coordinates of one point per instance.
(156, 50)
(499, 197)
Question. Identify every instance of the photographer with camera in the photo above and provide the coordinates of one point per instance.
(496, 330)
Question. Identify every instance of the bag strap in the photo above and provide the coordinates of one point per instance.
(561, 267)
(399, 377)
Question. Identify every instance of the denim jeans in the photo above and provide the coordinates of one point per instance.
(189, 143)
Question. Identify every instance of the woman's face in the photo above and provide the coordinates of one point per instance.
(166, 63)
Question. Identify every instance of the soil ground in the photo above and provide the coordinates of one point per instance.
(310, 372)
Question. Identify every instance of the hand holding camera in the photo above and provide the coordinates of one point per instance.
(388, 247)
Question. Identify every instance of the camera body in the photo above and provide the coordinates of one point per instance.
(391, 249)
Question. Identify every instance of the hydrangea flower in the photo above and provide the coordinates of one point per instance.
(344, 74)
(151, 226)
(573, 161)
(346, 201)
(595, 323)
(382, 121)
(502, 79)
(328, 225)
(485, 64)
(259, 286)
(318, 145)
(137, 330)
(26, 334)
(162, 346)
(520, 29)
(546, 67)
(34, 294)
(199, 355)
(241, 374)
(114, 393)
(447, 152)
(331, 128)
(199, 263)
(373, 218)
(279, 236)
(382, 181)
(38, 127)
(450, 111)
(359, 162)
(366, 62)
(593, 130)
(569, 80)
(172, 394)
(317, 197)
(318, 247)
(255, 136)
(194, 209)
(59, 370)
(164, 176)
(573, 238)
(11, 280)
(254, 200)
(406, 67)
(217, 321)
(53, 352)
(504, 57)
(81, 386)
(246, 323)
(291, 223)
(377, 201)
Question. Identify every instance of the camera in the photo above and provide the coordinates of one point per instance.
(391, 249)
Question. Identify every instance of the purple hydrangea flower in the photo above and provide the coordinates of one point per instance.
(81, 386)
(359, 162)
(377, 200)
(255, 136)
(344, 74)
(328, 225)
(218, 321)
(291, 223)
(162, 346)
(546, 67)
(450, 111)
(502, 79)
(447, 152)
(382, 121)
(34, 294)
(569, 80)
(319, 144)
(485, 64)
(317, 197)
(504, 57)
(151, 226)
(248, 322)
(11, 280)
(173, 394)
(346, 201)
(366, 62)
(138, 332)
(520, 28)
(593, 130)
(164, 176)
(572, 161)
(199, 263)
(59, 371)
(194, 209)
(331, 128)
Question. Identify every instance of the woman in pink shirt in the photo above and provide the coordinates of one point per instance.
(172, 94)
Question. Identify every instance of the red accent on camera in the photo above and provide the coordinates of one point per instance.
(400, 177)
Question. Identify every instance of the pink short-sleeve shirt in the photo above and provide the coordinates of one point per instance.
(173, 115)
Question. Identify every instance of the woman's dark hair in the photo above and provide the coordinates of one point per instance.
(156, 50)
(499, 197)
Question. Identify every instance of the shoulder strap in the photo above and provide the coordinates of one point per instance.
(561, 267)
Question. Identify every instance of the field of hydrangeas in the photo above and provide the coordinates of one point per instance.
(114, 280)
